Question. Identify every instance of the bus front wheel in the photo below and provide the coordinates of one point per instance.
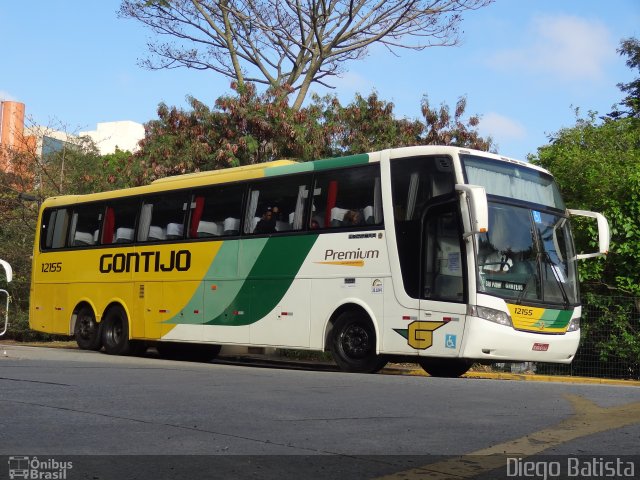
(115, 332)
(87, 330)
(445, 367)
(353, 344)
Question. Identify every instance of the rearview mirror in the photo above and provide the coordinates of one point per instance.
(476, 198)
(604, 234)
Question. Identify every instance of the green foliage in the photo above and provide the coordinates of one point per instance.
(610, 337)
(17, 226)
(630, 48)
(367, 124)
(76, 168)
(247, 128)
(597, 167)
(19, 329)
(444, 129)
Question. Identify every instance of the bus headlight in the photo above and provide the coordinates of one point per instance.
(495, 316)
(574, 325)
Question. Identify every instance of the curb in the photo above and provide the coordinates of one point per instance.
(521, 377)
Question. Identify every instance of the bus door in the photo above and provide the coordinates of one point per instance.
(443, 281)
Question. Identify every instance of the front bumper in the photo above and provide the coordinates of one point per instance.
(485, 340)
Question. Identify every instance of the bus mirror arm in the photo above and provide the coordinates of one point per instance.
(9, 276)
(604, 234)
(476, 198)
(8, 272)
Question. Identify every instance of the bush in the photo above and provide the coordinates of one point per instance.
(19, 331)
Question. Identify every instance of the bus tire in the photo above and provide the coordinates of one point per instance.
(445, 367)
(115, 332)
(87, 330)
(191, 352)
(353, 343)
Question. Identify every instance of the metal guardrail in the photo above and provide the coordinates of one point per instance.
(610, 344)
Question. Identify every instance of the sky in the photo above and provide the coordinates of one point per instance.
(523, 65)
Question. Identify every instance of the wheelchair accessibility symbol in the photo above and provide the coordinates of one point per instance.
(450, 341)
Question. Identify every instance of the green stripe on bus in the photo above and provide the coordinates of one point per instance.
(222, 273)
(556, 318)
(318, 165)
(267, 282)
(349, 161)
(286, 169)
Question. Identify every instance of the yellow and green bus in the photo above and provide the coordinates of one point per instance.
(445, 255)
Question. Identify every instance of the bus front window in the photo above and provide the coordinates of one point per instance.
(526, 256)
(558, 262)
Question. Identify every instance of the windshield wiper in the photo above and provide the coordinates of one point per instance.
(553, 267)
(526, 286)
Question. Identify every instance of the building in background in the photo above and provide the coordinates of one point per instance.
(42, 141)
(123, 135)
(13, 139)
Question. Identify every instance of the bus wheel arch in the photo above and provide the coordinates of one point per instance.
(352, 339)
(115, 330)
(85, 327)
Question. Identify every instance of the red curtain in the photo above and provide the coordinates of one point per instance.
(109, 226)
(196, 216)
(332, 194)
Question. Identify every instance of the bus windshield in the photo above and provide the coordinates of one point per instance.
(527, 255)
(513, 181)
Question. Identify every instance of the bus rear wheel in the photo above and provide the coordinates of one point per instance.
(445, 367)
(87, 330)
(115, 332)
(353, 344)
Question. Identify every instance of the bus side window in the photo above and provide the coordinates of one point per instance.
(48, 233)
(216, 211)
(347, 198)
(162, 217)
(124, 220)
(277, 205)
(60, 226)
(85, 225)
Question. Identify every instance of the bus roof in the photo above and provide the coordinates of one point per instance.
(214, 174)
(273, 168)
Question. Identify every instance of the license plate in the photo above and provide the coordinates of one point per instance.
(540, 347)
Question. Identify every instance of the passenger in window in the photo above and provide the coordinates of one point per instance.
(267, 224)
(314, 225)
(353, 217)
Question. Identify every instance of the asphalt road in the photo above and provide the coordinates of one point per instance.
(130, 417)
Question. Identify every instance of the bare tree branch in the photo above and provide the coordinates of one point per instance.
(290, 42)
